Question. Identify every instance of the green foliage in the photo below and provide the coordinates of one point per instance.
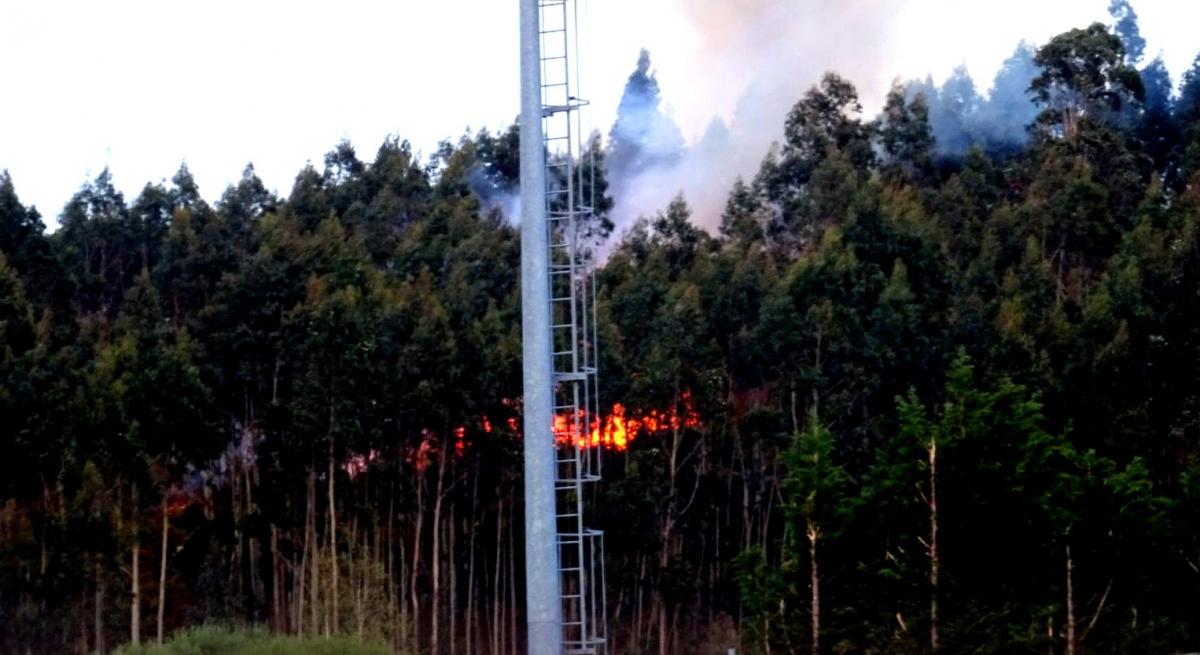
(1084, 81)
(816, 487)
(906, 137)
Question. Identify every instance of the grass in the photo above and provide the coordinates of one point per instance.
(218, 640)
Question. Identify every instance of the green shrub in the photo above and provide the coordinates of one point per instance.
(218, 640)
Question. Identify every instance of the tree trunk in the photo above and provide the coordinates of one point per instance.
(333, 553)
(99, 608)
(497, 628)
(252, 543)
(666, 535)
(279, 615)
(405, 620)
(641, 596)
(813, 535)
(315, 561)
(358, 575)
(512, 580)
(135, 597)
(662, 623)
(1070, 603)
(162, 571)
(470, 622)
(451, 567)
(436, 555)
(414, 588)
(83, 626)
(934, 562)
(298, 593)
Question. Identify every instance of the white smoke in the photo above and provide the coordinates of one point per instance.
(758, 57)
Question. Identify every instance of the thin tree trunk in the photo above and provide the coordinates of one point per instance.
(83, 626)
(934, 562)
(135, 599)
(358, 575)
(641, 586)
(252, 543)
(661, 610)
(395, 589)
(1070, 603)
(512, 581)
(236, 573)
(279, 615)
(436, 555)
(497, 628)
(315, 561)
(298, 593)
(470, 627)
(99, 608)
(452, 569)
(333, 553)
(405, 620)
(162, 571)
(813, 535)
(416, 559)
(665, 537)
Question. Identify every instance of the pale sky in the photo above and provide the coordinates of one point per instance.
(142, 85)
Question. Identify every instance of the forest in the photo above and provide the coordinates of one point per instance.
(932, 386)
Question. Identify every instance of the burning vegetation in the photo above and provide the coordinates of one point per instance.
(617, 429)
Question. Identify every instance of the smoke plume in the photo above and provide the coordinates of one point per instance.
(961, 117)
(758, 57)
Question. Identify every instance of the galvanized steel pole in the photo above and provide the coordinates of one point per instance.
(542, 604)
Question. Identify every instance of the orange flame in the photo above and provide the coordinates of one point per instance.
(619, 428)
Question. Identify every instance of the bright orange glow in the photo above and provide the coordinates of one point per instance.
(619, 428)
(616, 431)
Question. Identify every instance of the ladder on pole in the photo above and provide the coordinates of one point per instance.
(577, 430)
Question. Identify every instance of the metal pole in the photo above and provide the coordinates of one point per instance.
(543, 606)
